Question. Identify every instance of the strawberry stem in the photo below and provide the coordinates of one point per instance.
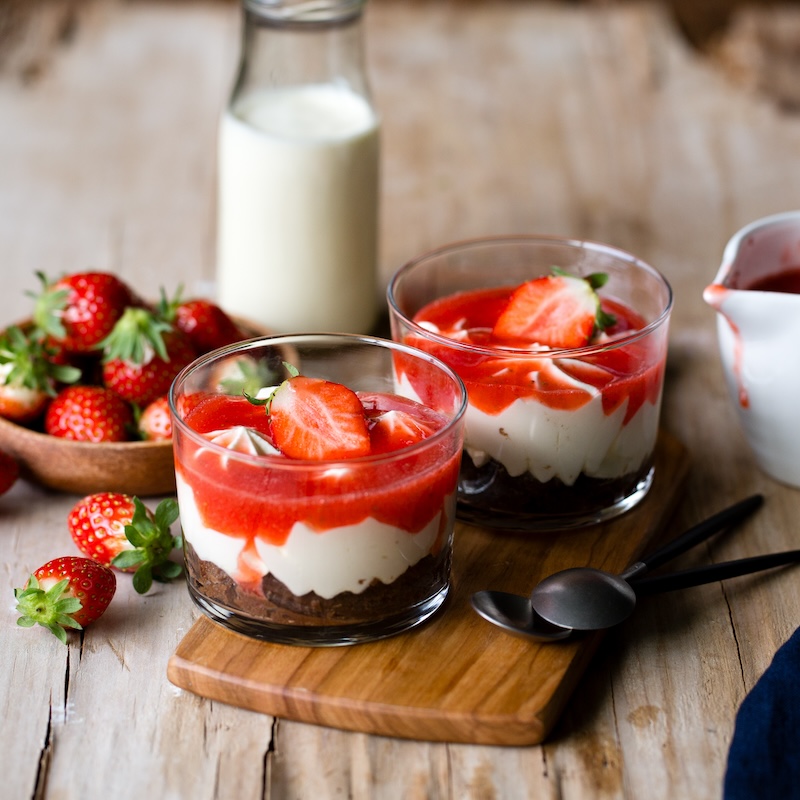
(596, 281)
(47, 608)
(167, 308)
(153, 544)
(49, 308)
(267, 401)
(27, 363)
(137, 337)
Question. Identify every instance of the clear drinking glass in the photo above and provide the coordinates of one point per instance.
(554, 438)
(315, 552)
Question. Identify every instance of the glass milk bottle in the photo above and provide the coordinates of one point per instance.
(298, 172)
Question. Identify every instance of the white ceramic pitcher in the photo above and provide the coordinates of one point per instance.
(759, 339)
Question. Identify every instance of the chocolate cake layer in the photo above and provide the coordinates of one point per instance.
(278, 606)
(489, 489)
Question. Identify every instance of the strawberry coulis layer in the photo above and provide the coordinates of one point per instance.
(631, 371)
(264, 497)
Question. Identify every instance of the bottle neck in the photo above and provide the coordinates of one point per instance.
(302, 42)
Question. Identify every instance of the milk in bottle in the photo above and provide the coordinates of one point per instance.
(299, 173)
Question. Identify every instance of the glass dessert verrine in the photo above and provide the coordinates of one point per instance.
(317, 502)
(562, 346)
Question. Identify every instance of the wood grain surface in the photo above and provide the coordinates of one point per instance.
(594, 120)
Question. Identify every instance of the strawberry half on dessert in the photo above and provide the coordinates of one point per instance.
(318, 420)
(556, 311)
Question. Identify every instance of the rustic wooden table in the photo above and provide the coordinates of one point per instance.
(589, 121)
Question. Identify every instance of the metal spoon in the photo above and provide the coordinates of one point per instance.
(514, 613)
(588, 599)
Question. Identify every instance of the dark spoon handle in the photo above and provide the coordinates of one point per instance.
(696, 534)
(697, 576)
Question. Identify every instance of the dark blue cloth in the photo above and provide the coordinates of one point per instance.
(764, 757)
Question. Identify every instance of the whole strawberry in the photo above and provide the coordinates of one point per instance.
(155, 422)
(9, 471)
(67, 592)
(28, 376)
(80, 310)
(117, 530)
(89, 414)
(142, 355)
(204, 322)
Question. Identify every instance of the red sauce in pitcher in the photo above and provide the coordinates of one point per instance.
(787, 282)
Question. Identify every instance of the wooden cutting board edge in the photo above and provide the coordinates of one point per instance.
(324, 686)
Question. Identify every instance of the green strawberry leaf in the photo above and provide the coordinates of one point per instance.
(143, 579)
(167, 571)
(47, 312)
(28, 362)
(166, 513)
(153, 544)
(136, 337)
(597, 279)
(68, 605)
(47, 608)
(57, 631)
(64, 620)
(128, 558)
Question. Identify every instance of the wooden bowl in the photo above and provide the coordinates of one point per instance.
(133, 468)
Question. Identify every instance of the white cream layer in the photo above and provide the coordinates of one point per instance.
(553, 443)
(341, 559)
(529, 436)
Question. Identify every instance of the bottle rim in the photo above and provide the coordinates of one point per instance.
(305, 10)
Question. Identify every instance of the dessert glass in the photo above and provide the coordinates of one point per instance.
(554, 439)
(316, 552)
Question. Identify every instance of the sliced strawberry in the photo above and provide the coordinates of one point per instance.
(89, 414)
(207, 413)
(315, 419)
(67, 592)
(396, 429)
(556, 311)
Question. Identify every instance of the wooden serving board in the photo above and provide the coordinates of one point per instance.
(456, 678)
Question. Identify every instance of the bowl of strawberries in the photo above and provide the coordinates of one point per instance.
(84, 381)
